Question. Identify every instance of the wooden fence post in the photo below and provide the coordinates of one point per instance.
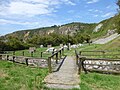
(31, 54)
(7, 57)
(26, 60)
(0, 56)
(80, 52)
(76, 59)
(63, 51)
(56, 58)
(13, 59)
(41, 54)
(82, 64)
(49, 65)
(53, 51)
(23, 53)
(13, 52)
(103, 54)
(79, 66)
(60, 54)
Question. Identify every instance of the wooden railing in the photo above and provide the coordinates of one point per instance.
(101, 54)
(55, 58)
(24, 60)
(104, 65)
(25, 53)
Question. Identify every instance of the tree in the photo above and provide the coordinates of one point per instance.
(118, 30)
(118, 3)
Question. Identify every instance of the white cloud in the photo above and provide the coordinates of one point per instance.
(107, 15)
(4, 21)
(92, 1)
(31, 7)
(108, 7)
(95, 11)
(21, 8)
(71, 11)
(68, 2)
(95, 15)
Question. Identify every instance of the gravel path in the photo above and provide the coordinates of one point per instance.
(107, 39)
(66, 77)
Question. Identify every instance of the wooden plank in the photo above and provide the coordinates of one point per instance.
(96, 70)
(100, 64)
(102, 59)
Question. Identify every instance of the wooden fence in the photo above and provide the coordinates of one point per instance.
(104, 65)
(34, 62)
(101, 54)
(27, 53)
(55, 60)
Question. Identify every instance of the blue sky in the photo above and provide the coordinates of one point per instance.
(27, 14)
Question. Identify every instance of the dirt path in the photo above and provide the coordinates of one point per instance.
(107, 39)
(66, 77)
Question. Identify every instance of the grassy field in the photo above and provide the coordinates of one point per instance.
(20, 77)
(36, 54)
(95, 81)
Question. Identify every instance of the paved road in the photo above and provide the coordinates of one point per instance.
(107, 39)
(66, 77)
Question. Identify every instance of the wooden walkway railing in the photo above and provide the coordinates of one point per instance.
(55, 57)
(104, 65)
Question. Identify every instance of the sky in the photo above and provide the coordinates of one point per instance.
(29, 14)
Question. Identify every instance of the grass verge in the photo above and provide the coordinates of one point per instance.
(20, 77)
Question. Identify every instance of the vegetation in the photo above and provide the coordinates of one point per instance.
(54, 39)
(19, 77)
(13, 43)
(36, 54)
(95, 81)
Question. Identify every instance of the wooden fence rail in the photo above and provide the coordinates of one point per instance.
(23, 53)
(104, 65)
(104, 54)
(57, 56)
(31, 61)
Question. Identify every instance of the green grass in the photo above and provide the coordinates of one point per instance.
(20, 77)
(36, 54)
(95, 81)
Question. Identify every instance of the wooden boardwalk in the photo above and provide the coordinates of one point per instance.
(66, 78)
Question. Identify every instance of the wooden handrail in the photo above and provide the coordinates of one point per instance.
(54, 54)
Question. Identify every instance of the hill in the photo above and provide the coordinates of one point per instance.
(55, 35)
(96, 30)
